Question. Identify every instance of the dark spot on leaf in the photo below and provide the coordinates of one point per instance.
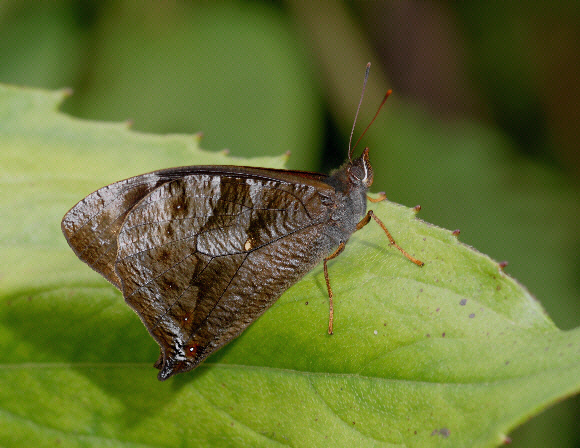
(472, 315)
(462, 302)
(306, 303)
(507, 362)
(444, 432)
(443, 334)
(428, 335)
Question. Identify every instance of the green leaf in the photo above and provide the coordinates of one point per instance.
(452, 354)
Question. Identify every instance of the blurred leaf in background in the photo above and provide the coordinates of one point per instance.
(481, 131)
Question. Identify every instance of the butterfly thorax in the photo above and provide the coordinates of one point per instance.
(348, 204)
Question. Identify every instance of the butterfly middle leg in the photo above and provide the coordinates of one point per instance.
(363, 222)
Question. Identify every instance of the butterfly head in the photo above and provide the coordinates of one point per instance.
(360, 171)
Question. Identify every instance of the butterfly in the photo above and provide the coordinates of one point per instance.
(200, 252)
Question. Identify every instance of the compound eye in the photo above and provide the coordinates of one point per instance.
(357, 172)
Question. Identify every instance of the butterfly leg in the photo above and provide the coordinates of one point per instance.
(335, 254)
(363, 222)
(382, 197)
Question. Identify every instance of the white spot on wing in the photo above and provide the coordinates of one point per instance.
(216, 188)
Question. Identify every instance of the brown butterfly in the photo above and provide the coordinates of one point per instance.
(200, 252)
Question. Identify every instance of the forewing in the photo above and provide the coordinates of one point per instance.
(202, 256)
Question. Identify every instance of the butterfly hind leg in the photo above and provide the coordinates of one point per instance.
(335, 254)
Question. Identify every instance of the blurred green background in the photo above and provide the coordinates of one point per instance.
(481, 130)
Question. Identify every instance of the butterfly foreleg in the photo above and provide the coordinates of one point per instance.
(382, 197)
(370, 214)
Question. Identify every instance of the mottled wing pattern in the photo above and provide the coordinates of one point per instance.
(91, 227)
(201, 257)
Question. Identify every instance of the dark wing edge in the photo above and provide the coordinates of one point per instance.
(246, 172)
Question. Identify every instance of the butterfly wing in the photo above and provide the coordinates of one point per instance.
(203, 253)
(91, 227)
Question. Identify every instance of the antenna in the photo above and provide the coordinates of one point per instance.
(374, 118)
(358, 108)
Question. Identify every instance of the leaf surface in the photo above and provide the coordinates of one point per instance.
(452, 354)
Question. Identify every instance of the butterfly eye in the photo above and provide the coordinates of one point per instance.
(357, 172)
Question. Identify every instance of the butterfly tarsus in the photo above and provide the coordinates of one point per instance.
(335, 254)
(382, 197)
